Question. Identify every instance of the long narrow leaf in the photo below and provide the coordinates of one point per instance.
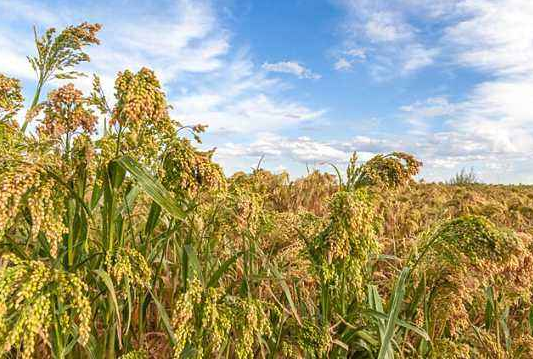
(152, 187)
(400, 322)
(397, 300)
(164, 317)
(287, 293)
(194, 263)
(376, 304)
(222, 269)
(111, 289)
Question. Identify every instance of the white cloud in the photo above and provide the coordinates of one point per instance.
(391, 40)
(416, 56)
(423, 115)
(12, 59)
(247, 115)
(492, 122)
(241, 99)
(430, 108)
(291, 67)
(369, 145)
(432, 9)
(386, 26)
(497, 39)
(356, 53)
(443, 154)
(301, 149)
(347, 58)
(343, 64)
(443, 163)
(498, 112)
(189, 49)
(22, 9)
(305, 150)
(494, 36)
(187, 38)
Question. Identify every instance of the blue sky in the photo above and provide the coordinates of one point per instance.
(307, 82)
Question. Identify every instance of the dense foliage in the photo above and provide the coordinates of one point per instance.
(130, 242)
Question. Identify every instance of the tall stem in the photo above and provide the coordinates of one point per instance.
(34, 103)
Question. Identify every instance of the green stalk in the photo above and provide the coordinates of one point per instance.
(34, 103)
(58, 337)
(110, 342)
(70, 240)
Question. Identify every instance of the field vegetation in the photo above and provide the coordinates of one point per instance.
(130, 242)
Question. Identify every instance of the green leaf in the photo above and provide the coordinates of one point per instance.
(164, 317)
(530, 319)
(489, 307)
(116, 173)
(111, 288)
(385, 351)
(194, 263)
(153, 218)
(222, 269)
(400, 322)
(287, 293)
(376, 304)
(152, 187)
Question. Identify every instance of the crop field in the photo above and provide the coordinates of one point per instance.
(130, 242)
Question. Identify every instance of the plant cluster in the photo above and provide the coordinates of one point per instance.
(130, 242)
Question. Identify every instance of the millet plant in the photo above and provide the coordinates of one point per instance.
(131, 242)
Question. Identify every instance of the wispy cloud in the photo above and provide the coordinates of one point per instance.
(186, 39)
(214, 77)
(392, 42)
(14, 10)
(496, 39)
(301, 149)
(343, 64)
(492, 121)
(385, 26)
(494, 36)
(207, 78)
(349, 57)
(424, 115)
(416, 57)
(241, 99)
(291, 67)
(443, 153)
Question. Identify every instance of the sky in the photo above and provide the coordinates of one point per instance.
(304, 83)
